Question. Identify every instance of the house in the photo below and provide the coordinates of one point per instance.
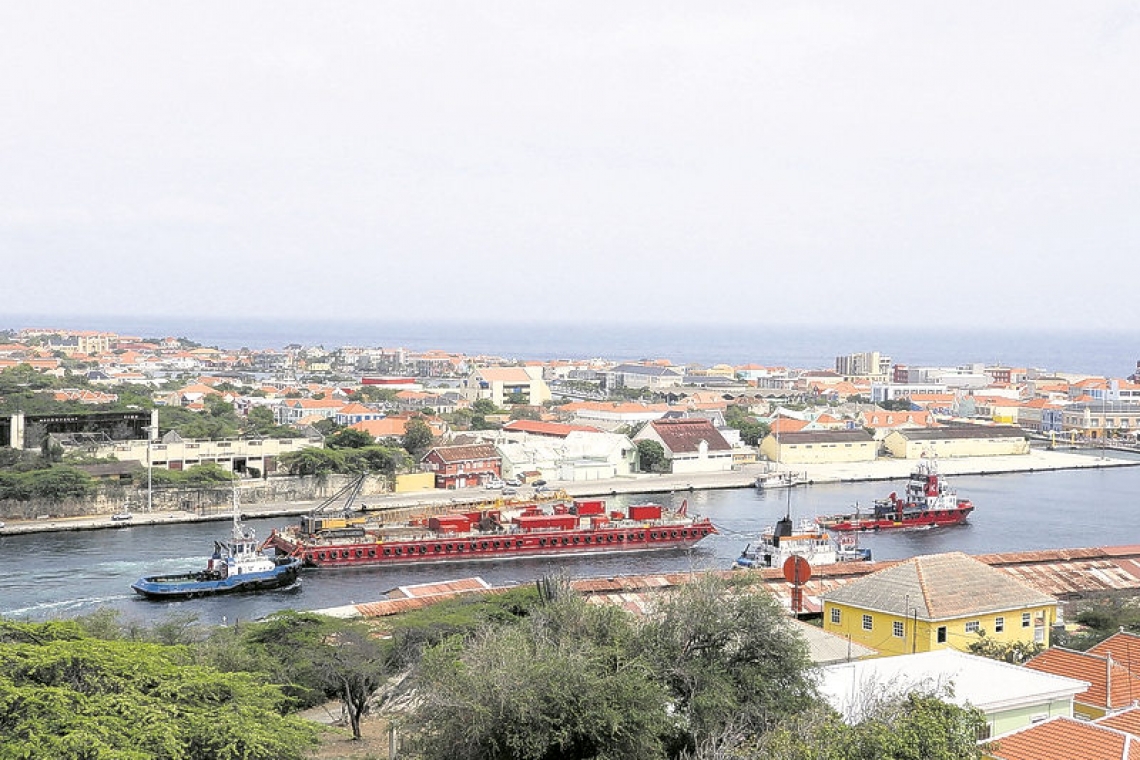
(938, 601)
(818, 446)
(463, 466)
(1112, 687)
(350, 414)
(956, 441)
(1113, 738)
(1010, 696)
(293, 411)
(507, 385)
(691, 444)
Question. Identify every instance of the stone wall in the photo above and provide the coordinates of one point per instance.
(111, 498)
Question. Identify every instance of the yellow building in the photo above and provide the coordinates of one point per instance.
(937, 601)
(956, 441)
(820, 446)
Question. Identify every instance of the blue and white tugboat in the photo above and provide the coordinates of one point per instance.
(236, 565)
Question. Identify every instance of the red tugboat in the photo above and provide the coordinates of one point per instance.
(529, 530)
(928, 503)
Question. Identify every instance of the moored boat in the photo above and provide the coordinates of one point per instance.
(582, 527)
(779, 542)
(928, 502)
(780, 479)
(236, 565)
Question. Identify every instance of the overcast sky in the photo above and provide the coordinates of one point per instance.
(961, 163)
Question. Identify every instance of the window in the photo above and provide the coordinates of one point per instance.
(1025, 620)
(835, 615)
(972, 626)
(867, 624)
(999, 624)
(898, 629)
(941, 634)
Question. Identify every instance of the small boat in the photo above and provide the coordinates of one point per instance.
(928, 502)
(780, 479)
(236, 565)
(778, 543)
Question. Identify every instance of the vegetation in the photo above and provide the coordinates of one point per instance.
(66, 695)
(651, 456)
(51, 482)
(376, 459)
(715, 670)
(1100, 617)
(752, 431)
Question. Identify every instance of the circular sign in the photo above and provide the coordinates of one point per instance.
(797, 570)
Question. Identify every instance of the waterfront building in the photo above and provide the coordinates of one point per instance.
(691, 444)
(464, 465)
(1100, 419)
(938, 601)
(960, 440)
(819, 446)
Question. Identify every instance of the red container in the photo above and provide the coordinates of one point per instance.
(615, 515)
(449, 524)
(561, 509)
(645, 511)
(546, 522)
(589, 507)
(599, 521)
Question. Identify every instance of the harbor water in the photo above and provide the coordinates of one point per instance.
(47, 576)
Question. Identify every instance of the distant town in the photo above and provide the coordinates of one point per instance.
(106, 403)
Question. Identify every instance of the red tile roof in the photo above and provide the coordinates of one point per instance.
(1064, 738)
(1096, 670)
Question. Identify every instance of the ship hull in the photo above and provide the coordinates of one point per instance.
(930, 520)
(444, 549)
(193, 585)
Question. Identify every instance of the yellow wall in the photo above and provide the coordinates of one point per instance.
(417, 481)
(863, 451)
(922, 635)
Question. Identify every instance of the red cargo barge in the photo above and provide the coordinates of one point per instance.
(581, 528)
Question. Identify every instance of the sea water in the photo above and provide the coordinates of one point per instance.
(1104, 353)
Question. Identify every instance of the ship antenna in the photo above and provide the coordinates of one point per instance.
(684, 510)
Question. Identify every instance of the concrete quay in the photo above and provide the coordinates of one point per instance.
(743, 477)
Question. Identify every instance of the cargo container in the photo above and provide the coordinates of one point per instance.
(586, 507)
(645, 511)
(450, 523)
(546, 522)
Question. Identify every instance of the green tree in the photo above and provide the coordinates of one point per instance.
(417, 438)
(349, 439)
(729, 657)
(311, 461)
(526, 413)
(651, 456)
(323, 656)
(558, 684)
(67, 696)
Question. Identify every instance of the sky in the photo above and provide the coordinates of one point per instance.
(949, 164)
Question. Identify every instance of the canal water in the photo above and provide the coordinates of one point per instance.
(59, 575)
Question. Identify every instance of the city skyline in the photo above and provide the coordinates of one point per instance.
(966, 166)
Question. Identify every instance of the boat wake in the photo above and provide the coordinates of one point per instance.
(70, 606)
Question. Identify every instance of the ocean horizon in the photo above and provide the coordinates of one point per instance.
(1100, 352)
